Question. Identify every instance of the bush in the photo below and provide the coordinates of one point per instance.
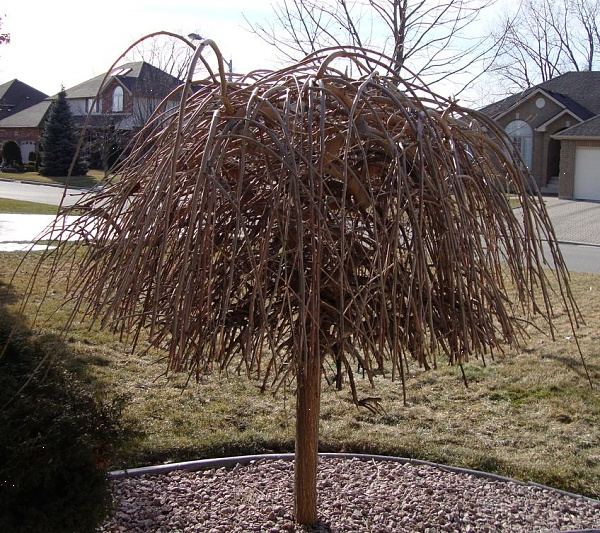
(55, 438)
(11, 154)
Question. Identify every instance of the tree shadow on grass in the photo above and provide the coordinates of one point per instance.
(575, 364)
(56, 436)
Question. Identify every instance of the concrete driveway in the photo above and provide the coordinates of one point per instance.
(575, 221)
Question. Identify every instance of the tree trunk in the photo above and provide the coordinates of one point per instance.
(308, 399)
(339, 378)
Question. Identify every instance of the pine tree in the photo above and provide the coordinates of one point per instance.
(59, 141)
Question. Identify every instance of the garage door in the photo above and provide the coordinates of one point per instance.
(587, 173)
(26, 148)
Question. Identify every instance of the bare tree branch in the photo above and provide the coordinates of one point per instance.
(546, 38)
(425, 39)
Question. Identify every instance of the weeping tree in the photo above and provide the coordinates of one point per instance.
(284, 222)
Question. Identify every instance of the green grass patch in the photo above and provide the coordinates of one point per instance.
(32, 208)
(529, 414)
(93, 177)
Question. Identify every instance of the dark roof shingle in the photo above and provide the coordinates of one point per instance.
(16, 95)
(136, 77)
(589, 128)
(31, 117)
(577, 91)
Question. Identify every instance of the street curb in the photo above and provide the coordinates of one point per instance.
(577, 243)
(203, 464)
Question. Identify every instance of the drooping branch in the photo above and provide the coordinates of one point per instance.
(402, 192)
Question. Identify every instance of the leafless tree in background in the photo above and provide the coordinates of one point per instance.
(172, 57)
(429, 39)
(4, 37)
(543, 39)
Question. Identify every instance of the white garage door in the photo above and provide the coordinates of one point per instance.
(587, 173)
(26, 148)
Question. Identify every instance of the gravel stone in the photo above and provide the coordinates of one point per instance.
(354, 496)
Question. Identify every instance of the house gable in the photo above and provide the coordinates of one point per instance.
(564, 119)
(16, 96)
(578, 91)
(588, 130)
(562, 113)
(536, 108)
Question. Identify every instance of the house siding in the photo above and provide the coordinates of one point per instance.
(568, 150)
(106, 99)
(20, 134)
(27, 138)
(535, 117)
(77, 106)
(553, 128)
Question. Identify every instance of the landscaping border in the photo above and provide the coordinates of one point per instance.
(204, 464)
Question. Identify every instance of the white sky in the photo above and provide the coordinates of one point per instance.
(56, 42)
(65, 42)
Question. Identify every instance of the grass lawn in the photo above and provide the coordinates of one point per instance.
(92, 178)
(31, 208)
(530, 414)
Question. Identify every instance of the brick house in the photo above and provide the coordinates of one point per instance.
(556, 127)
(16, 96)
(129, 95)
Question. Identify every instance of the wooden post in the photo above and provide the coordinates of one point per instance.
(308, 400)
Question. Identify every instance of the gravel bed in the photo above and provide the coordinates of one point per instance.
(354, 495)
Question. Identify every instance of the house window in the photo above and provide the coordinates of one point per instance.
(521, 135)
(117, 100)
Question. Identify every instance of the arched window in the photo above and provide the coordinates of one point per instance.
(117, 100)
(521, 135)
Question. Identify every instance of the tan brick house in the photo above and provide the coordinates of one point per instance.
(556, 127)
(130, 94)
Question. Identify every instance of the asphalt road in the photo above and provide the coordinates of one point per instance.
(43, 194)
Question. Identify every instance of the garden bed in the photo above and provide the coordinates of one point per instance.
(355, 495)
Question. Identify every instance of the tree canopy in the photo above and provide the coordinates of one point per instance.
(288, 221)
(59, 141)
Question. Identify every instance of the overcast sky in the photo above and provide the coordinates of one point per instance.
(65, 42)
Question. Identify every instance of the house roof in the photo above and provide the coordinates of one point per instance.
(588, 129)
(27, 118)
(139, 77)
(16, 95)
(135, 77)
(579, 92)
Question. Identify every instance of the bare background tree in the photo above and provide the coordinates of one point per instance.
(542, 39)
(433, 40)
(4, 37)
(171, 57)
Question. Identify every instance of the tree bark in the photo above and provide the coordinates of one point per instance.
(308, 399)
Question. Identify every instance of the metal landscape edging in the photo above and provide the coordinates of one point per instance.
(224, 462)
